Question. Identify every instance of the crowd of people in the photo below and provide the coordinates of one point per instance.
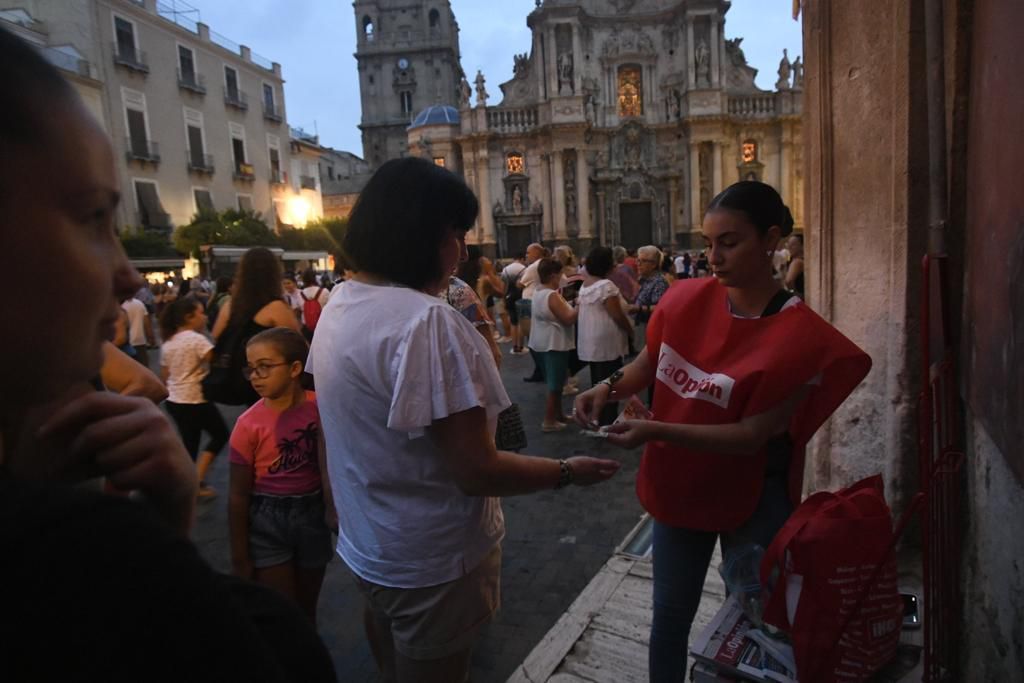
(370, 414)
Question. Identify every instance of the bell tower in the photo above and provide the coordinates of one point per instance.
(408, 59)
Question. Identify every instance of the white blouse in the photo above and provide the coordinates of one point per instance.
(600, 339)
(547, 333)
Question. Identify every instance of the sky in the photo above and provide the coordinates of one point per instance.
(314, 41)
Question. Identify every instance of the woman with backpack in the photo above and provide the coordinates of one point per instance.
(314, 298)
(736, 399)
(256, 304)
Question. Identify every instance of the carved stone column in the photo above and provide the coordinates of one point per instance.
(695, 217)
(548, 221)
(716, 47)
(673, 207)
(558, 201)
(490, 236)
(583, 184)
(691, 55)
(601, 227)
(717, 159)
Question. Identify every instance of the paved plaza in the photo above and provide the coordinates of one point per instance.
(555, 543)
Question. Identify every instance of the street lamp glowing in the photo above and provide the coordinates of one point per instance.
(299, 209)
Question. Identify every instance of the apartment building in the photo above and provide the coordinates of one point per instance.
(197, 121)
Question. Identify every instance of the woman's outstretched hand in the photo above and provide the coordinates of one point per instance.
(587, 470)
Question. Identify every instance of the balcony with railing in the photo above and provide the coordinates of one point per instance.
(307, 182)
(199, 162)
(236, 98)
(512, 120)
(145, 151)
(244, 172)
(130, 58)
(272, 112)
(191, 81)
(752, 106)
(277, 177)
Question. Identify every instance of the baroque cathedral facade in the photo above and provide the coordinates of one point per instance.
(618, 127)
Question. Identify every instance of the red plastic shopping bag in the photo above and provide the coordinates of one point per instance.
(836, 592)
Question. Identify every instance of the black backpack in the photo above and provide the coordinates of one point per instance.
(225, 383)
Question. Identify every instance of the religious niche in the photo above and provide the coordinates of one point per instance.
(702, 53)
(564, 61)
(630, 91)
(750, 167)
(514, 163)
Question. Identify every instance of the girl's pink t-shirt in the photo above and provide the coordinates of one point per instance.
(281, 447)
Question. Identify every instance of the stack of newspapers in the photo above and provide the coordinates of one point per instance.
(732, 649)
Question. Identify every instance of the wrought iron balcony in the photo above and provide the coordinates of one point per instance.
(199, 163)
(278, 178)
(130, 58)
(272, 112)
(145, 151)
(307, 182)
(244, 172)
(236, 98)
(192, 81)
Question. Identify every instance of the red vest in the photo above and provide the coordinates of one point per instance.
(713, 368)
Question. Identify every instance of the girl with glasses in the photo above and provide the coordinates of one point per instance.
(279, 536)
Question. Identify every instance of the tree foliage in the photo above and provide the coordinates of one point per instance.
(230, 227)
(148, 244)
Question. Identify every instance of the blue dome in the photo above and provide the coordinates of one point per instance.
(436, 115)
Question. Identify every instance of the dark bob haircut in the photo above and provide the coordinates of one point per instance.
(759, 202)
(600, 261)
(547, 267)
(401, 220)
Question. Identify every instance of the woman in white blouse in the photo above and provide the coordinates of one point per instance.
(409, 397)
(552, 337)
(604, 327)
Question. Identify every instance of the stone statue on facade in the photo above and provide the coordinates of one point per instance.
(517, 200)
(521, 65)
(798, 74)
(565, 79)
(465, 92)
(784, 71)
(590, 110)
(702, 60)
(735, 52)
(481, 91)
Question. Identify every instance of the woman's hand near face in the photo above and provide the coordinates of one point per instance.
(129, 441)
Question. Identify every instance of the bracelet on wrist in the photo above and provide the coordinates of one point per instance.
(564, 474)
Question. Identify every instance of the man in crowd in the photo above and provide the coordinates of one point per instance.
(140, 329)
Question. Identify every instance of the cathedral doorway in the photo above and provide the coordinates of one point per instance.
(517, 238)
(636, 224)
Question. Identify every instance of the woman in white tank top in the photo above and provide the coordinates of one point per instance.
(552, 337)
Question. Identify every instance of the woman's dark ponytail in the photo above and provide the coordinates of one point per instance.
(759, 202)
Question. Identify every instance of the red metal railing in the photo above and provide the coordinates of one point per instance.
(940, 462)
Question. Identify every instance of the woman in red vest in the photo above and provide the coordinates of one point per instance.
(743, 373)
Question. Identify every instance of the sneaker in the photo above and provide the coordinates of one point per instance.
(206, 491)
(553, 427)
(503, 340)
(518, 352)
(570, 390)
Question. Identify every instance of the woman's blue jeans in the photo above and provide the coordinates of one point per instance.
(681, 559)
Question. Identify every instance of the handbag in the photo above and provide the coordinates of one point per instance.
(225, 383)
(836, 592)
(510, 434)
